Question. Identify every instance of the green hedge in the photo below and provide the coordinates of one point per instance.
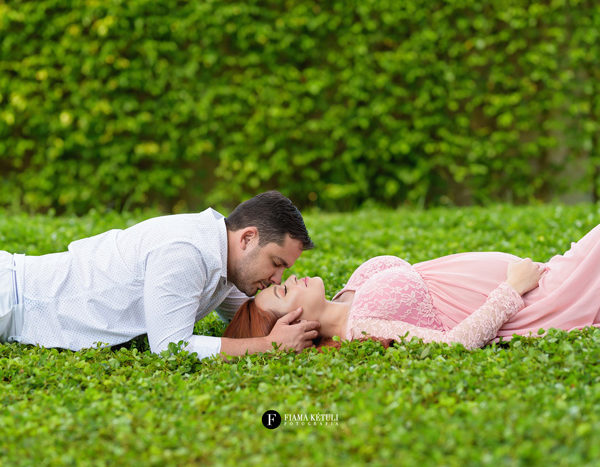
(176, 104)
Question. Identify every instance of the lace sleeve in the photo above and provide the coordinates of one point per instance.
(473, 332)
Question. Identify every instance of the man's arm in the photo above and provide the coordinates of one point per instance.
(235, 347)
(174, 279)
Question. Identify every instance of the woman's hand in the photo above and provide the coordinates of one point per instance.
(524, 275)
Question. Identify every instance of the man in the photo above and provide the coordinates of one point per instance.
(158, 277)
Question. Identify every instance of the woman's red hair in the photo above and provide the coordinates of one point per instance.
(251, 321)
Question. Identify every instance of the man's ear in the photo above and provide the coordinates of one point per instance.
(249, 235)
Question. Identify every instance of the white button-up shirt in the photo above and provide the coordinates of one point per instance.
(157, 277)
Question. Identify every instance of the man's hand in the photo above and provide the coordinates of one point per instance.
(286, 333)
(297, 336)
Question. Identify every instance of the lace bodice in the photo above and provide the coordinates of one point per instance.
(389, 288)
(391, 300)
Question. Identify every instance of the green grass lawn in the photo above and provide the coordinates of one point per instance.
(535, 400)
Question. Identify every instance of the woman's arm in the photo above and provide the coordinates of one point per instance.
(476, 330)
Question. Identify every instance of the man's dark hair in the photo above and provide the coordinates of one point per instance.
(274, 216)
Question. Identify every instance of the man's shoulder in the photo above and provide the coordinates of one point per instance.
(205, 231)
(182, 223)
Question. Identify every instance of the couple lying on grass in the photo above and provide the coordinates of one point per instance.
(161, 276)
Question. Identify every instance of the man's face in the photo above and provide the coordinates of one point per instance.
(260, 267)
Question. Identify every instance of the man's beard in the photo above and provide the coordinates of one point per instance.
(242, 276)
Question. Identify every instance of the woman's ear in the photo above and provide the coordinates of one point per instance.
(248, 237)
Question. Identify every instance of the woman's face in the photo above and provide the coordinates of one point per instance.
(308, 293)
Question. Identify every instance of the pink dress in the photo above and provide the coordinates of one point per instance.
(463, 297)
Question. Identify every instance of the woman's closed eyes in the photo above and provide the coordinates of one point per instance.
(279, 295)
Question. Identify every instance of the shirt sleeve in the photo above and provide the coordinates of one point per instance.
(231, 304)
(473, 332)
(174, 279)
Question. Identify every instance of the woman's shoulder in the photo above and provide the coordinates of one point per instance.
(383, 262)
(371, 267)
(377, 264)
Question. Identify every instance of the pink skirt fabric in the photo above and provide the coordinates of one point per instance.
(568, 296)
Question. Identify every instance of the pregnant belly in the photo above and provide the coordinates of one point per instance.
(459, 284)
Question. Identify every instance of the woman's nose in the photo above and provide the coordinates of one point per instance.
(292, 278)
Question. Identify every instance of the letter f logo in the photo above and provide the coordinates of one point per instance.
(271, 419)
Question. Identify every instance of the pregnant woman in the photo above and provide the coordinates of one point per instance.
(469, 298)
